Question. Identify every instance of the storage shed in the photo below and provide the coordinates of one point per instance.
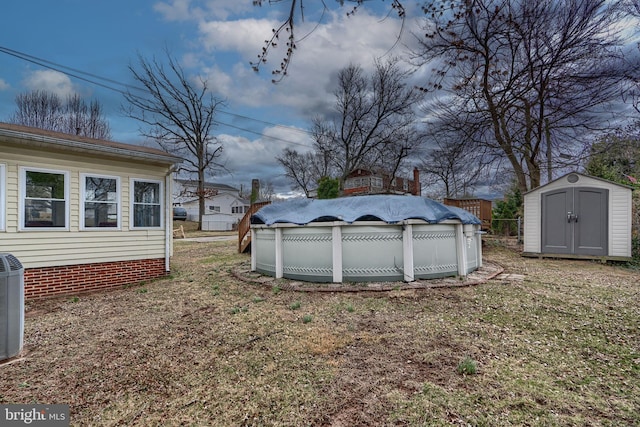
(578, 216)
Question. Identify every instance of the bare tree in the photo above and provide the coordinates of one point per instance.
(536, 74)
(86, 120)
(304, 169)
(45, 110)
(286, 29)
(373, 120)
(179, 115)
(267, 191)
(455, 155)
(373, 128)
(452, 163)
(633, 8)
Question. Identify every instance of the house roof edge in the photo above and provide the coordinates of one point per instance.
(35, 137)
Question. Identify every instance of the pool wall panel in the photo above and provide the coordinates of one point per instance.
(366, 251)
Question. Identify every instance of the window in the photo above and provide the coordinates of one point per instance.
(376, 182)
(214, 208)
(100, 202)
(239, 209)
(3, 181)
(147, 203)
(44, 199)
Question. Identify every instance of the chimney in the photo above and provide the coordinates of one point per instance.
(255, 190)
(416, 182)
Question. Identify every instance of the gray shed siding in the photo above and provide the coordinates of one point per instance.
(619, 214)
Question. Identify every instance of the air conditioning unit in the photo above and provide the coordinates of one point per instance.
(11, 306)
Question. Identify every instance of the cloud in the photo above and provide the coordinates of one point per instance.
(186, 10)
(4, 85)
(177, 10)
(323, 49)
(229, 39)
(50, 81)
(246, 159)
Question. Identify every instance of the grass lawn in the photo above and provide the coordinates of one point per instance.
(559, 347)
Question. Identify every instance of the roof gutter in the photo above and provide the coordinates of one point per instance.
(116, 149)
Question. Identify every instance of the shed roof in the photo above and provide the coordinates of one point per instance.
(387, 208)
(606, 181)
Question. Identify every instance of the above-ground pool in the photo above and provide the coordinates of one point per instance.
(363, 239)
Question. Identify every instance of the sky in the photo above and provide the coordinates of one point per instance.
(211, 39)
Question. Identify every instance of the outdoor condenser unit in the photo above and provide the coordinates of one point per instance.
(11, 306)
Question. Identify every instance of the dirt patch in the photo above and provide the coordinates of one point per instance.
(555, 342)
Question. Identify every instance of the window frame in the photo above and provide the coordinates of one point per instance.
(375, 182)
(132, 204)
(23, 197)
(83, 201)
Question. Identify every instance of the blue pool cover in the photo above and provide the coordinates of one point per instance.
(387, 208)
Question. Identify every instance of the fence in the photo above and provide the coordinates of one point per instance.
(508, 227)
(479, 207)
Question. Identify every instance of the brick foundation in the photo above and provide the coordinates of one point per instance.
(80, 278)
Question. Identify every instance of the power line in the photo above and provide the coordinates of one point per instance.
(266, 122)
(78, 74)
(261, 134)
(59, 68)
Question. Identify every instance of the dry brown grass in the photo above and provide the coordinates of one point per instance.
(561, 347)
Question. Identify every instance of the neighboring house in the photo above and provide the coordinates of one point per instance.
(224, 207)
(83, 214)
(362, 181)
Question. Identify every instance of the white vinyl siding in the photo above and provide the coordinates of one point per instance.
(100, 202)
(44, 199)
(532, 223)
(620, 222)
(49, 247)
(3, 195)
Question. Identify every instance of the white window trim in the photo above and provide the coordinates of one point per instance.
(132, 196)
(23, 195)
(83, 183)
(3, 198)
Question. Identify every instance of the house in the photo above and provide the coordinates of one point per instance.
(224, 206)
(362, 181)
(83, 214)
(578, 216)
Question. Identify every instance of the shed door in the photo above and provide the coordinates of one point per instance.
(574, 221)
